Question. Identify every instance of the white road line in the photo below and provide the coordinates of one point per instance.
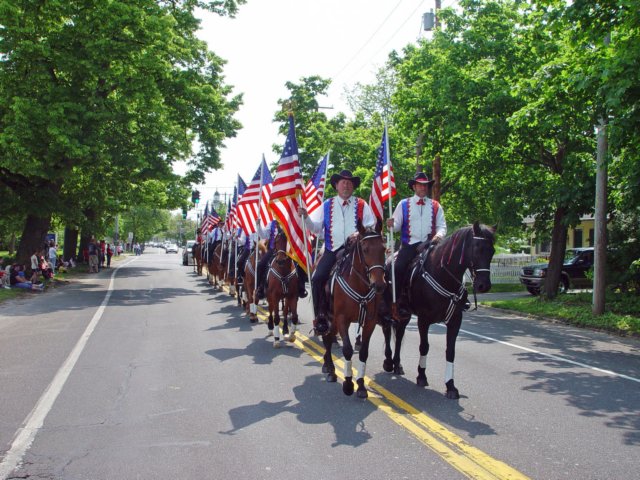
(24, 436)
(549, 355)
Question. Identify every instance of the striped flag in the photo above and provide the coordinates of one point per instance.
(228, 221)
(210, 219)
(248, 205)
(287, 189)
(237, 196)
(384, 185)
(314, 191)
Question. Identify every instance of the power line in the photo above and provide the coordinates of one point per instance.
(390, 38)
(368, 40)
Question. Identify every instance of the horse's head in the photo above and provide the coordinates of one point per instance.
(482, 251)
(280, 247)
(370, 250)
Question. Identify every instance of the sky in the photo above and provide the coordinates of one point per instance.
(270, 42)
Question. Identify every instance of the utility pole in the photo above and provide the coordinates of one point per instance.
(600, 230)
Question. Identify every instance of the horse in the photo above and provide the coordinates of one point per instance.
(249, 285)
(216, 265)
(437, 294)
(282, 287)
(197, 256)
(357, 282)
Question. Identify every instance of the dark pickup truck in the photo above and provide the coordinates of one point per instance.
(577, 262)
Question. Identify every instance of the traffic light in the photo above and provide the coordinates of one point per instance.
(184, 212)
(196, 196)
(193, 196)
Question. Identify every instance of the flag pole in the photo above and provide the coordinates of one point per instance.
(306, 253)
(390, 232)
(253, 308)
(326, 165)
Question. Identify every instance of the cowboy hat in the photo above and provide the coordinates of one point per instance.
(344, 175)
(421, 178)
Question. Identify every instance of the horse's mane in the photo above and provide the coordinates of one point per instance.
(446, 250)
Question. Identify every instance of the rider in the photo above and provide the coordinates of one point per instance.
(270, 233)
(338, 218)
(245, 241)
(418, 219)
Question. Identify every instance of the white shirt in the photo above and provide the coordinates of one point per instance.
(342, 223)
(420, 220)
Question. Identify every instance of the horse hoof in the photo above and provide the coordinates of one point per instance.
(292, 337)
(276, 343)
(347, 387)
(452, 394)
(325, 369)
(387, 366)
(362, 393)
(398, 370)
(332, 378)
(422, 382)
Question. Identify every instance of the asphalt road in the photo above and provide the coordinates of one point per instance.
(147, 372)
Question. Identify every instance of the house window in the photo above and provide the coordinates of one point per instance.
(591, 237)
(577, 238)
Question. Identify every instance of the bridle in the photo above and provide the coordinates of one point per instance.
(361, 299)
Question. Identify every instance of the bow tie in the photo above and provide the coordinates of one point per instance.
(421, 202)
(345, 203)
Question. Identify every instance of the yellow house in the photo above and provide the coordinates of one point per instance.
(580, 236)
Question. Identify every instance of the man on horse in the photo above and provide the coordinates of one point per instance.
(338, 218)
(245, 241)
(269, 233)
(418, 219)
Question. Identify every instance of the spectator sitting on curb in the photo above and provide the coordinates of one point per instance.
(4, 274)
(19, 281)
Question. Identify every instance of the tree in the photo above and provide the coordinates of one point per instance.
(103, 98)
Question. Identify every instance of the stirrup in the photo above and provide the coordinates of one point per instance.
(321, 325)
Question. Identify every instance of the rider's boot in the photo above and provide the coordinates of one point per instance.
(302, 292)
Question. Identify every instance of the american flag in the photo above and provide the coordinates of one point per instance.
(210, 219)
(237, 196)
(287, 189)
(229, 219)
(314, 191)
(247, 209)
(384, 185)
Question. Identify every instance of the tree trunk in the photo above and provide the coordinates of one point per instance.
(70, 242)
(556, 260)
(12, 244)
(437, 167)
(84, 242)
(34, 234)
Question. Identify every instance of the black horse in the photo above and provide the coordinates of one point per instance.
(437, 294)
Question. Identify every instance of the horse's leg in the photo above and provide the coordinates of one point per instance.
(276, 328)
(328, 367)
(423, 328)
(387, 364)
(400, 328)
(347, 352)
(363, 355)
(293, 312)
(453, 328)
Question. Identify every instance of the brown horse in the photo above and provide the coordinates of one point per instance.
(216, 265)
(249, 285)
(358, 283)
(437, 294)
(282, 286)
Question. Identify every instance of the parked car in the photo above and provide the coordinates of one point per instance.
(171, 248)
(577, 262)
(187, 256)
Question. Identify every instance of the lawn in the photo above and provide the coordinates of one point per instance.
(622, 310)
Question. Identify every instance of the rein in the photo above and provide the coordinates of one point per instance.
(455, 298)
(284, 279)
(361, 299)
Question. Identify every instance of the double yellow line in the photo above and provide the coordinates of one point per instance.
(465, 458)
